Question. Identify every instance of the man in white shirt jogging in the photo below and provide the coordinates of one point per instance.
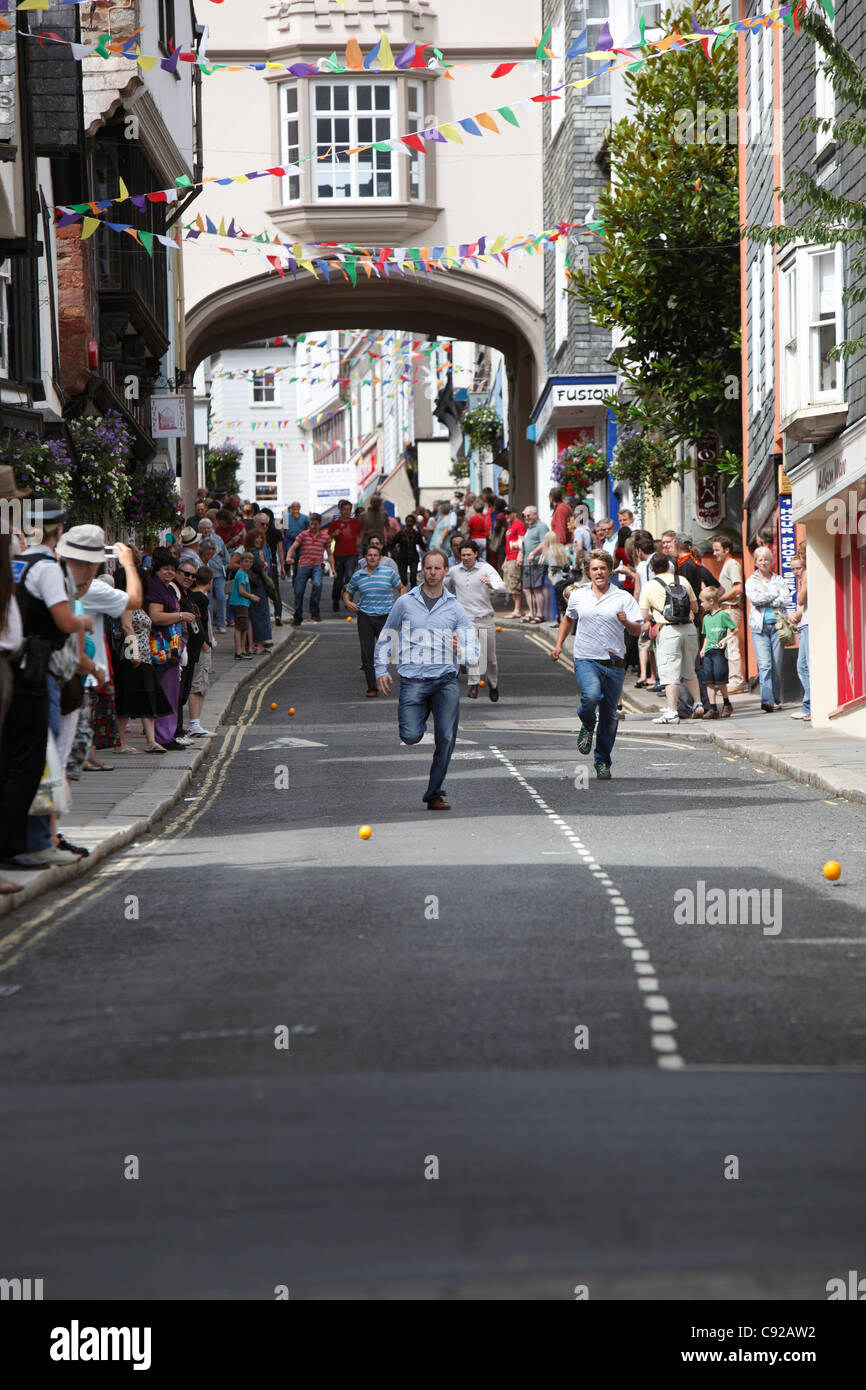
(604, 614)
(472, 581)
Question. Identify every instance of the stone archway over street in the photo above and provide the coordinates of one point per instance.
(456, 304)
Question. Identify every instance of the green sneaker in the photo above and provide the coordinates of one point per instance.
(602, 772)
(584, 740)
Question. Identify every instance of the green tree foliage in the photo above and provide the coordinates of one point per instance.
(669, 278)
(830, 218)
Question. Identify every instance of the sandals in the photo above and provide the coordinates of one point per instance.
(154, 748)
(96, 767)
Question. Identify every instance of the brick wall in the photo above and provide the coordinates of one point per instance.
(75, 311)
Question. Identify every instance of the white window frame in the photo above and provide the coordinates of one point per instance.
(769, 323)
(757, 335)
(755, 79)
(290, 136)
(557, 73)
(656, 9)
(767, 70)
(5, 300)
(788, 320)
(264, 389)
(263, 474)
(598, 94)
(415, 122)
(381, 164)
(560, 335)
(825, 100)
(801, 339)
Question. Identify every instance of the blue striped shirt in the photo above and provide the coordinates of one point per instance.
(377, 589)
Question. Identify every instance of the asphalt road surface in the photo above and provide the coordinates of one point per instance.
(479, 1055)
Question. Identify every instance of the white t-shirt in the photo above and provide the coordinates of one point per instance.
(46, 581)
(103, 600)
(12, 635)
(470, 592)
(600, 634)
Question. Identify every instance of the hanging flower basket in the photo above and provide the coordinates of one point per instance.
(153, 504)
(577, 467)
(646, 460)
(101, 468)
(482, 426)
(41, 465)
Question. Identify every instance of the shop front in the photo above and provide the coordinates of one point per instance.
(572, 410)
(829, 498)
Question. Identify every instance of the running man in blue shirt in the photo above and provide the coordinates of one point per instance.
(376, 587)
(427, 632)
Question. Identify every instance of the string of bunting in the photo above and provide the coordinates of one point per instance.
(450, 131)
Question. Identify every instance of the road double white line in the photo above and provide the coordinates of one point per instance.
(662, 1025)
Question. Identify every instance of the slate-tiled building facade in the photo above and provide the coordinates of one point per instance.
(804, 415)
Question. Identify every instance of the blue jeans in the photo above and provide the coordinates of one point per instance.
(713, 670)
(439, 695)
(768, 650)
(303, 574)
(39, 827)
(803, 666)
(219, 595)
(600, 689)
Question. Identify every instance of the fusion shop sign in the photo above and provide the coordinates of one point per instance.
(571, 396)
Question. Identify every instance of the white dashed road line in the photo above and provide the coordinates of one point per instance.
(662, 1026)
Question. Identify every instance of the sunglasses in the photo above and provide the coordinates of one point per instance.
(187, 574)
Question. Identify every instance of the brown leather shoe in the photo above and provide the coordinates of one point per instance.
(438, 803)
(472, 692)
(493, 692)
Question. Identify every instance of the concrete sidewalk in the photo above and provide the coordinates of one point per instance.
(829, 761)
(112, 809)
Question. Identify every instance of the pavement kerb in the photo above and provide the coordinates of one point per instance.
(800, 771)
(47, 880)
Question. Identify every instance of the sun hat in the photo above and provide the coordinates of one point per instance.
(188, 535)
(85, 543)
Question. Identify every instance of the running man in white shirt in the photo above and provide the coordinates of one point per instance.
(604, 614)
(472, 582)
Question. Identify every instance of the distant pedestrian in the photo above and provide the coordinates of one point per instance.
(561, 512)
(370, 593)
(534, 571)
(431, 632)
(512, 566)
(767, 593)
(313, 547)
(718, 628)
(732, 590)
(472, 582)
(345, 532)
(604, 614)
(240, 599)
(407, 550)
(800, 618)
(669, 606)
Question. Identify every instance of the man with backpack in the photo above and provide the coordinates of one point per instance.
(669, 607)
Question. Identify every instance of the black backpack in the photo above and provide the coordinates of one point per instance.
(677, 608)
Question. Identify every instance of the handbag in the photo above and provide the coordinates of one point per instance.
(785, 630)
(71, 695)
(52, 796)
(165, 645)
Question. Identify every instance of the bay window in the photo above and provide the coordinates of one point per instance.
(813, 382)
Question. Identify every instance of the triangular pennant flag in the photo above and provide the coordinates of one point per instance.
(277, 264)
(579, 47)
(469, 125)
(414, 142)
(503, 69)
(354, 56)
(451, 134)
(541, 49)
(507, 114)
(486, 120)
(146, 239)
(405, 58)
(605, 38)
(372, 56)
(386, 57)
(124, 192)
(89, 226)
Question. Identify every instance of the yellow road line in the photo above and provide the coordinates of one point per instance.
(14, 946)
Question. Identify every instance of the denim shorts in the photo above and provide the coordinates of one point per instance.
(714, 667)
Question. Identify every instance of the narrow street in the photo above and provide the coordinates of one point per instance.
(434, 980)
